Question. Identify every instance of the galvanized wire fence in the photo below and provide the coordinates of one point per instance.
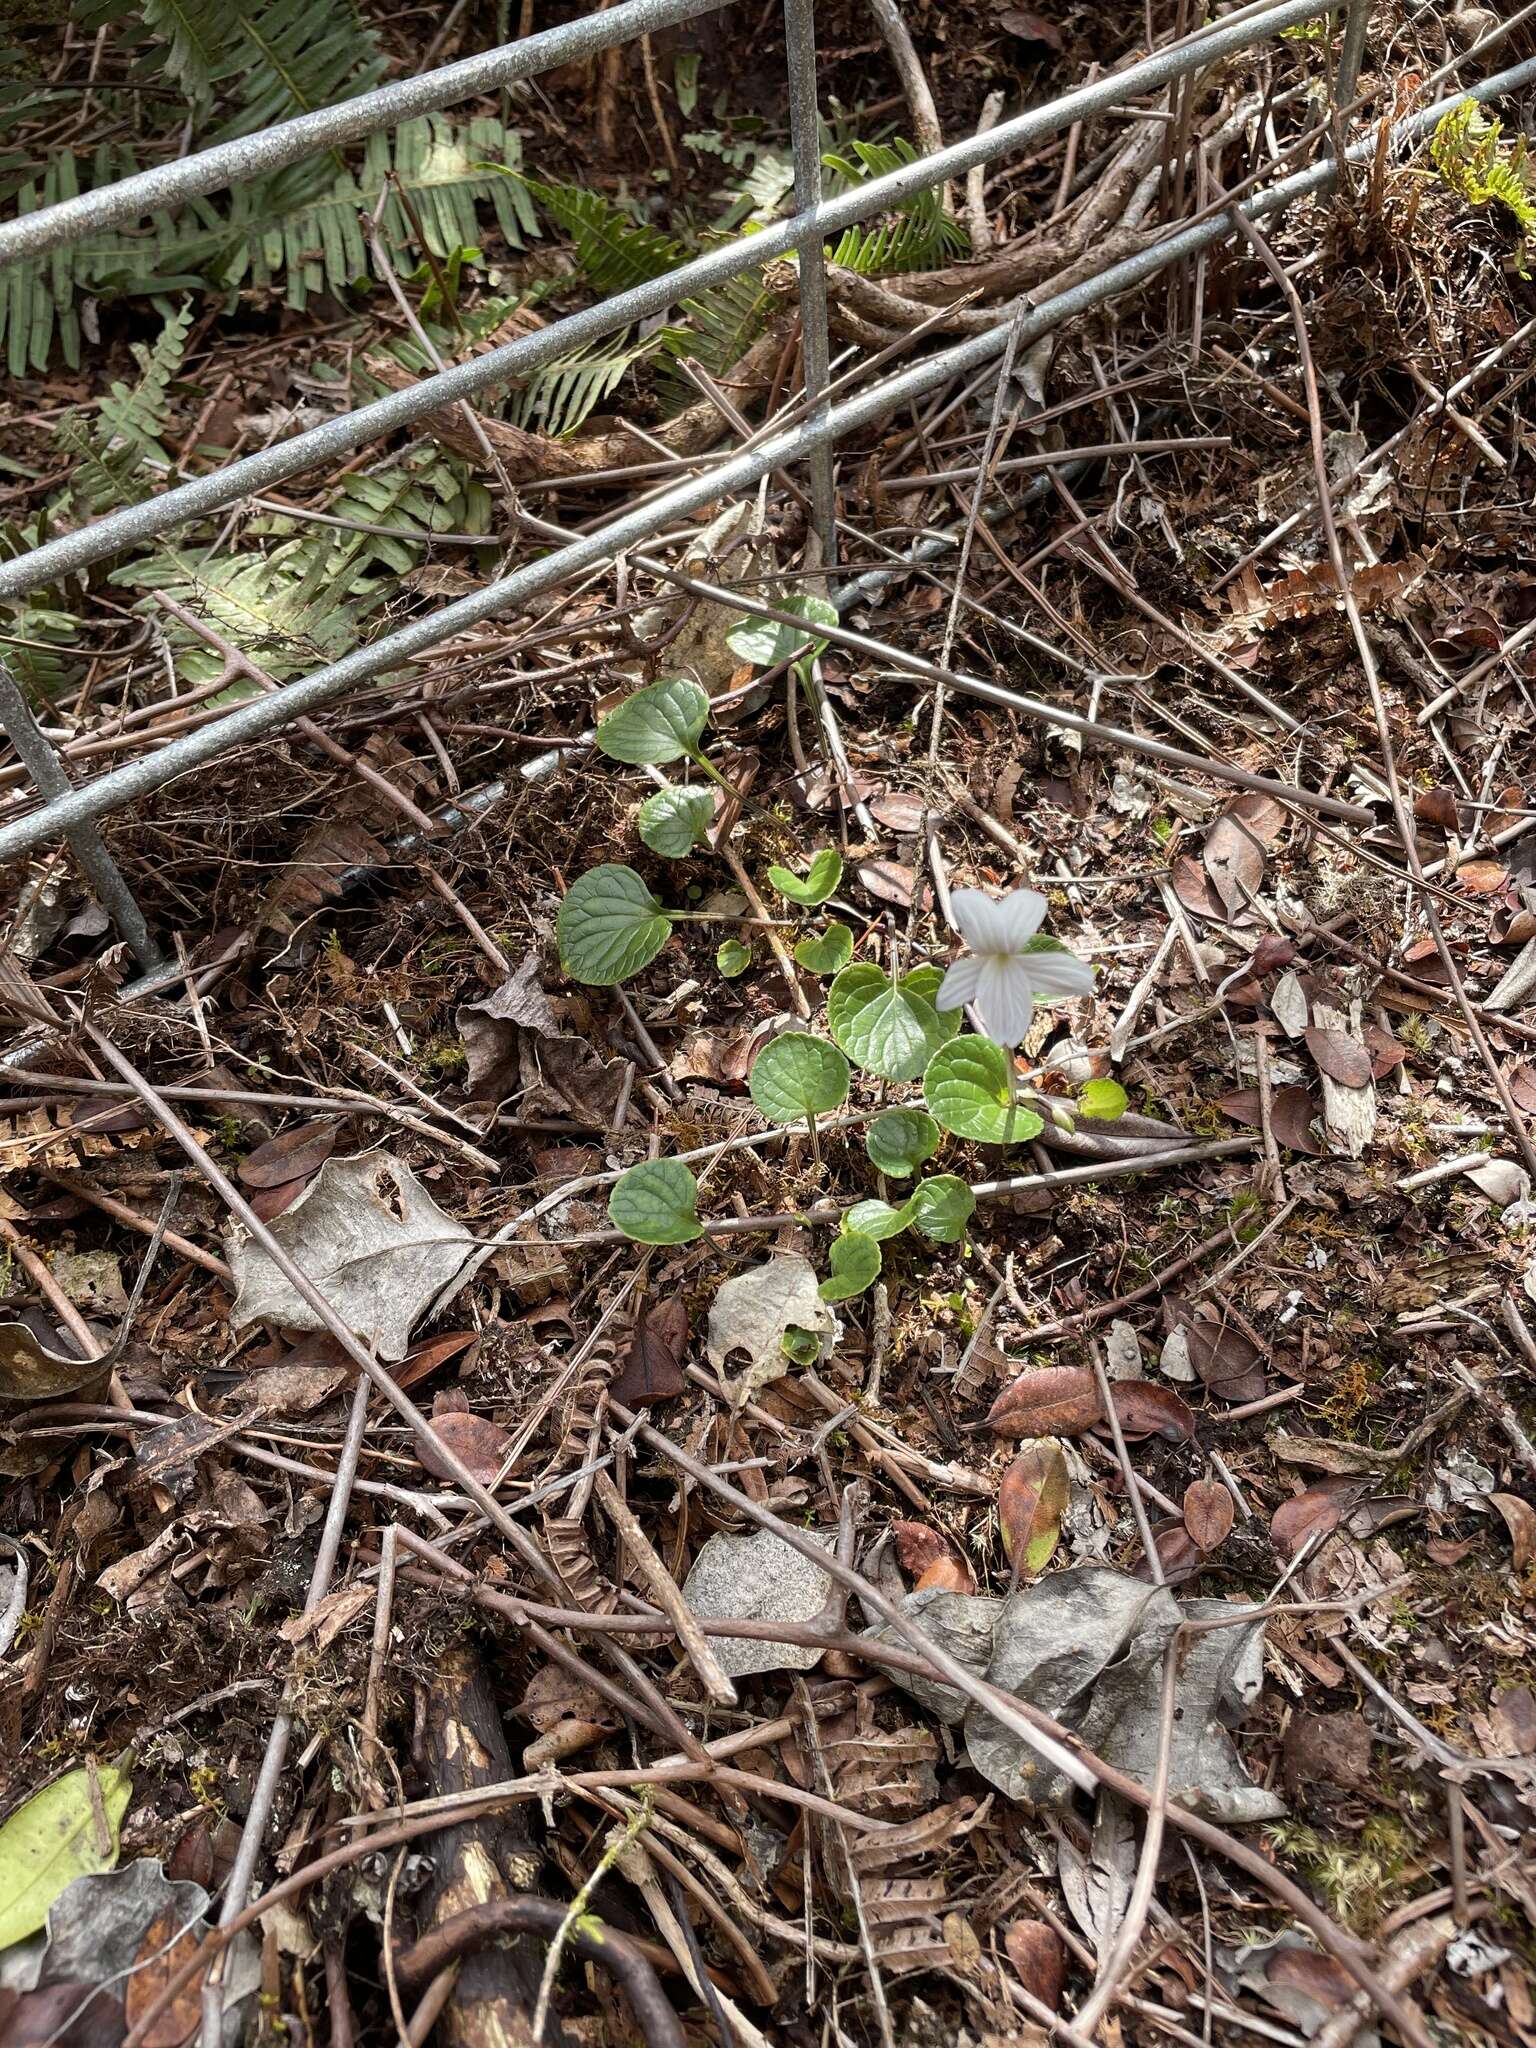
(809, 432)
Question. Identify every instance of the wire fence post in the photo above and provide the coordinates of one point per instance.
(42, 763)
(815, 349)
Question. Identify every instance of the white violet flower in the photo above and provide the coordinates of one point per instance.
(1005, 967)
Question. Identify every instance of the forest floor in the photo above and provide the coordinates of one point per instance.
(1094, 1600)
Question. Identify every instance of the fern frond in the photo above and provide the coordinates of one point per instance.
(425, 492)
(278, 231)
(614, 251)
(558, 397)
(286, 609)
(1471, 160)
(918, 236)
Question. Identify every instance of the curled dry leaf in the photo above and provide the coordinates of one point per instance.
(292, 1155)
(652, 1367)
(1235, 846)
(1520, 1520)
(166, 1950)
(1040, 1957)
(1230, 1364)
(1031, 1503)
(1143, 1408)
(1437, 806)
(474, 1439)
(1208, 1513)
(1060, 1400)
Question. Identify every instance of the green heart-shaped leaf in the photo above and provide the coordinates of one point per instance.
(797, 1075)
(764, 642)
(610, 926)
(827, 952)
(1104, 1099)
(855, 1262)
(890, 1028)
(899, 1140)
(803, 1346)
(656, 1203)
(942, 1207)
(673, 821)
(967, 1088)
(662, 722)
(822, 877)
(732, 958)
(878, 1219)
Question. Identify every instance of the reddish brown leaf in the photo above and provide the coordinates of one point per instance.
(918, 1545)
(65, 2015)
(1514, 1716)
(1193, 888)
(477, 1441)
(1229, 1363)
(267, 1203)
(651, 1368)
(1291, 1113)
(1440, 1550)
(1319, 1976)
(1147, 1408)
(1234, 849)
(1061, 1400)
(292, 1155)
(1315, 1512)
(1522, 1085)
(888, 881)
(949, 1574)
(1038, 1954)
(1180, 1557)
(422, 1360)
(1031, 1502)
(1437, 806)
(1520, 1520)
(1482, 877)
(163, 1955)
(1340, 1057)
(899, 810)
(1270, 954)
(1030, 27)
(1208, 1513)
(1385, 1052)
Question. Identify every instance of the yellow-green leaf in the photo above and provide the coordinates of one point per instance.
(60, 1834)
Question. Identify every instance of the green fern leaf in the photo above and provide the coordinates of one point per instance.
(614, 252)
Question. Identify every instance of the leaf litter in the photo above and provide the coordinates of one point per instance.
(424, 1061)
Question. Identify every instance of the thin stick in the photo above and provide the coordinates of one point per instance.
(1128, 1470)
(668, 1594)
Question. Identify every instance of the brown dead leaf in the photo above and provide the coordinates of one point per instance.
(1060, 1400)
(899, 811)
(424, 1359)
(1179, 1555)
(325, 1621)
(919, 1546)
(1031, 1502)
(1319, 1976)
(888, 881)
(1235, 847)
(163, 1954)
(1208, 1513)
(1316, 1512)
(651, 1367)
(1514, 1717)
(1036, 1951)
(1520, 1520)
(477, 1441)
(1342, 1058)
(1482, 877)
(291, 1390)
(1192, 886)
(1230, 1364)
(1437, 806)
(1147, 1408)
(949, 1574)
(296, 1155)
(1030, 27)
(1291, 1114)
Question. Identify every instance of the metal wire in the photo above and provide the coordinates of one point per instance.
(249, 156)
(350, 431)
(261, 717)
